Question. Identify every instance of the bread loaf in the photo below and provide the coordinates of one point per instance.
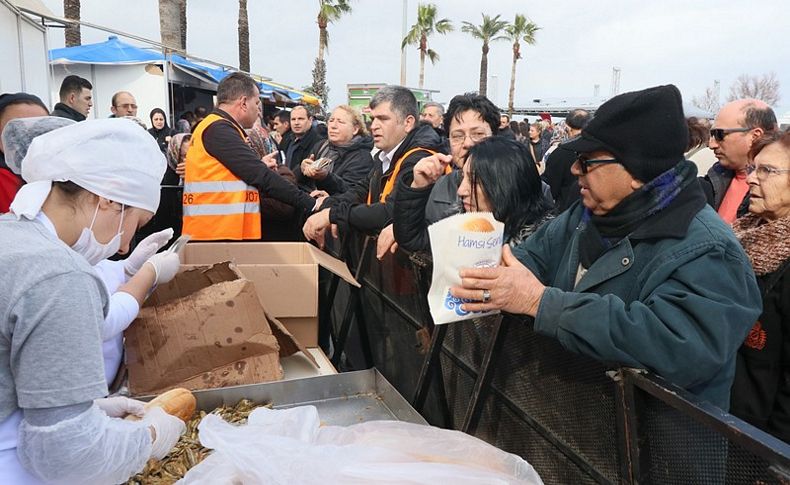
(177, 402)
(478, 224)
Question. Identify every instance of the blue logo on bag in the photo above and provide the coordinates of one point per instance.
(453, 303)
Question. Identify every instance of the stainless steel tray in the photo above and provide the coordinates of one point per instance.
(341, 399)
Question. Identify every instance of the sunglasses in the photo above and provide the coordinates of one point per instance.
(584, 162)
(719, 133)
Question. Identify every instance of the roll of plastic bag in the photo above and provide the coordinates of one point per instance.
(286, 447)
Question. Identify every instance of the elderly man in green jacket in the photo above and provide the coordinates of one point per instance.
(641, 271)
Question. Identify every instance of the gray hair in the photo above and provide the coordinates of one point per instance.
(433, 104)
(402, 101)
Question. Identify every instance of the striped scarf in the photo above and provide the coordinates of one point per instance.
(603, 232)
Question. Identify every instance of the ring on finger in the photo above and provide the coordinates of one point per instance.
(486, 296)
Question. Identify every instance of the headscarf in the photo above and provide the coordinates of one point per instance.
(112, 158)
(174, 149)
(151, 116)
(259, 140)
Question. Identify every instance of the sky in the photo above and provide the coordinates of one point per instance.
(686, 43)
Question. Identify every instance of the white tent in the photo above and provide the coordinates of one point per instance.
(23, 54)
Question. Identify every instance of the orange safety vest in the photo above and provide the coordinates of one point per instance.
(217, 205)
(389, 186)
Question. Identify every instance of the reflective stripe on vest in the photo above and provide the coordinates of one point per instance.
(217, 205)
(389, 186)
(220, 209)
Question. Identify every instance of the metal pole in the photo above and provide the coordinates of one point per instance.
(404, 30)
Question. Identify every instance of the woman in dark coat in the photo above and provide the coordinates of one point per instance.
(346, 153)
(761, 390)
(163, 133)
(499, 176)
(159, 129)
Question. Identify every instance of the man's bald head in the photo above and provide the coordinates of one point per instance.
(751, 113)
(742, 121)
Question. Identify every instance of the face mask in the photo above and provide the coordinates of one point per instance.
(91, 249)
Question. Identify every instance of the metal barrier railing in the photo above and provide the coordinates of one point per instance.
(574, 419)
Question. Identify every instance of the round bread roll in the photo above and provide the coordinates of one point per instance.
(478, 224)
(177, 402)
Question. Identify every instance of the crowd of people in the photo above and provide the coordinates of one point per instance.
(615, 245)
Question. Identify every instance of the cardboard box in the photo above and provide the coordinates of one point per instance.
(205, 329)
(285, 277)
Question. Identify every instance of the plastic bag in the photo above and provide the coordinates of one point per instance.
(469, 240)
(290, 446)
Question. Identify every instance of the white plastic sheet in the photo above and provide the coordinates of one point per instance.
(290, 446)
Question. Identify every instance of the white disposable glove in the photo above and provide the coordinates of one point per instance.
(165, 266)
(167, 428)
(147, 248)
(120, 407)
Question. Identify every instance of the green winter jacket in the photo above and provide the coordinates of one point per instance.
(678, 301)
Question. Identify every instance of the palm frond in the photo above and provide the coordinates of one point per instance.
(432, 55)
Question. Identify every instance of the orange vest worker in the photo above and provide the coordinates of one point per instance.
(217, 205)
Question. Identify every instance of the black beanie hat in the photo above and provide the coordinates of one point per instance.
(7, 99)
(645, 130)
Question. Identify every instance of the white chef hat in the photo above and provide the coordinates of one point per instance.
(112, 158)
(19, 133)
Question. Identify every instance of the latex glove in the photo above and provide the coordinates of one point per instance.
(120, 407)
(165, 266)
(167, 429)
(147, 248)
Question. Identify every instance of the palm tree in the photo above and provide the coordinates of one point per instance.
(329, 11)
(520, 29)
(71, 10)
(488, 32)
(182, 23)
(169, 21)
(420, 31)
(244, 37)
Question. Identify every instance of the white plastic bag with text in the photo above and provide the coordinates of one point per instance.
(469, 240)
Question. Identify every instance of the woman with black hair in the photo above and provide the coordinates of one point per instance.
(499, 176)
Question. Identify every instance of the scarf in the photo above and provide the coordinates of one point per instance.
(767, 243)
(676, 187)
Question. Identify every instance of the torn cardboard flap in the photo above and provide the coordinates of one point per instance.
(332, 264)
(285, 276)
(206, 328)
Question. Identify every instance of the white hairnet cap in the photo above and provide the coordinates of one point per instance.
(18, 134)
(111, 158)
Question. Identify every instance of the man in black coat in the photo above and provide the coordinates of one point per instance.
(76, 99)
(368, 205)
(282, 132)
(564, 185)
(306, 142)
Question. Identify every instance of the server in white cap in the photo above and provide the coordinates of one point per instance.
(90, 187)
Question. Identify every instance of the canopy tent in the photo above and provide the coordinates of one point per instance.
(112, 51)
(116, 52)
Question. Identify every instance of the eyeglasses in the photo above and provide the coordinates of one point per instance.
(720, 133)
(458, 138)
(764, 172)
(584, 162)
